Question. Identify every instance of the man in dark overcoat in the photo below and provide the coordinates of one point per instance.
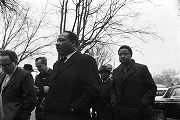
(73, 88)
(17, 96)
(134, 88)
(41, 85)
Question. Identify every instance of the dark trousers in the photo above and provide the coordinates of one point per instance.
(39, 114)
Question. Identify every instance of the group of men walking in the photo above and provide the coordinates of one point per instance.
(73, 87)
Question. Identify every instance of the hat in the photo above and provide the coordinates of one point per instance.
(28, 67)
(104, 68)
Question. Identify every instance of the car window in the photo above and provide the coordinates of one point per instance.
(160, 92)
(176, 93)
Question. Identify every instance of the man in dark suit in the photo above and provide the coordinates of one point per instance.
(17, 97)
(73, 88)
(42, 85)
(134, 88)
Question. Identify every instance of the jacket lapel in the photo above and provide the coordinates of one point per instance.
(12, 78)
(2, 76)
(120, 73)
(59, 70)
(130, 72)
(69, 62)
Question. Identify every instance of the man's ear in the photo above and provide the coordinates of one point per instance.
(74, 43)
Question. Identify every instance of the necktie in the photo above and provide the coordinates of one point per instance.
(61, 62)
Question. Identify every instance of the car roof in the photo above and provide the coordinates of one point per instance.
(175, 86)
(159, 88)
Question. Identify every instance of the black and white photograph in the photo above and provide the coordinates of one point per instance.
(90, 60)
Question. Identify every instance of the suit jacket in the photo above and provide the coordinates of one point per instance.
(74, 85)
(136, 89)
(18, 96)
(42, 80)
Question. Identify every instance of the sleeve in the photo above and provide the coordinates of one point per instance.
(149, 96)
(29, 96)
(90, 80)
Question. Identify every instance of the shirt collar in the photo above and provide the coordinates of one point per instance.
(129, 66)
(68, 56)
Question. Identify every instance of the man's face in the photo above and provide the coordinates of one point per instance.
(124, 56)
(64, 46)
(104, 75)
(7, 65)
(40, 66)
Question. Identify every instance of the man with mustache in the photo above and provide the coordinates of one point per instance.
(73, 88)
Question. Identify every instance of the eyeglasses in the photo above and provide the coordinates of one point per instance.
(5, 65)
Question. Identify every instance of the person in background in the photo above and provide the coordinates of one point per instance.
(41, 84)
(106, 83)
(109, 66)
(28, 67)
(100, 111)
(134, 88)
(17, 96)
(74, 84)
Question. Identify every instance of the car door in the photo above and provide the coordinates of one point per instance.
(172, 103)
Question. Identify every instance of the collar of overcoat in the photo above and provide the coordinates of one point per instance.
(130, 71)
(59, 70)
(11, 79)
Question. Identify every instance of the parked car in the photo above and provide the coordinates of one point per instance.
(169, 105)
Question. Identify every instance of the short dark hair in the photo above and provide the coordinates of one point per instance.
(43, 60)
(73, 37)
(12, 55)
(126, 47)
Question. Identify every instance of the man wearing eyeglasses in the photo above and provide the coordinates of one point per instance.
(17, 93)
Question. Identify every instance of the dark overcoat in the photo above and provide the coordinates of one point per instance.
(73, 88)
(134, 92)
(18, 96)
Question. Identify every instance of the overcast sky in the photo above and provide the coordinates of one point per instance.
(157, 55)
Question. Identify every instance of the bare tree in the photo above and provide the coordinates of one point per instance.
(9, 6)
(101, 53)
(178, 6)
(167, 77)
(101, 22)
(20, 33)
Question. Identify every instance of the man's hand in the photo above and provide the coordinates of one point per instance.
(37, 89)
(46, 88)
